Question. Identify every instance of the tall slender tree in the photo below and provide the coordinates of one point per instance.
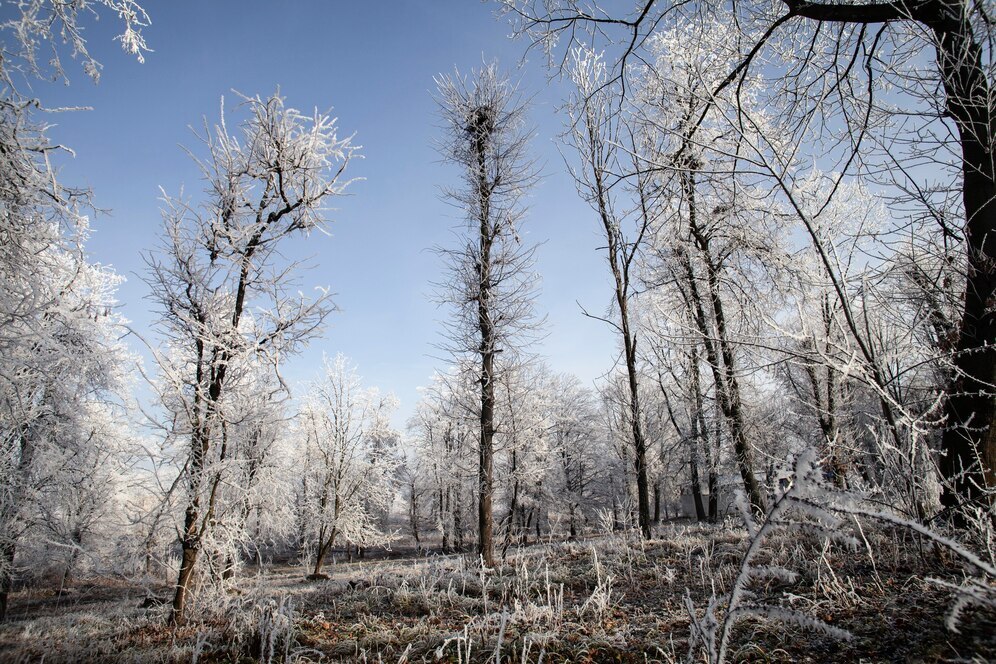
(597, 132)
(491, 280)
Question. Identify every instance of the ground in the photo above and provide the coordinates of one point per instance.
(612, 598)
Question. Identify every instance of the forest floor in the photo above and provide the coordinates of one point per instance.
(608, 599)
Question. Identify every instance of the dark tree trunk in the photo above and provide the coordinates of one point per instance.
(457, 524)
(323, 548)
(190, 545)
(413, 518)
(635, 419)
(693, 464)
(712, 460)
(698, 434)
(713, 496)
(969, 442)
(480, 128)
(444, 518)
(513, 504)
(657, 502)
(188, 562)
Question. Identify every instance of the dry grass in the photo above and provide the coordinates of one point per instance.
(611, 599)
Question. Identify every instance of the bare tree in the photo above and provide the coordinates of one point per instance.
(349, 472)
(576, 443)
(597, 131)
(223, 298)
(491, 280)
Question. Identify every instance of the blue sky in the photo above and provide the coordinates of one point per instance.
(373, 63)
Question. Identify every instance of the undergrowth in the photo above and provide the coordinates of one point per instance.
(801, 586)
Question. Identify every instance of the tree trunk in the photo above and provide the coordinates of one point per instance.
(457, 524)
(698, 434)
(413, 518)
(696, 485)
(323, 549)
(188, 561)
(7, 551)
(968, 444)
(657, 502)
(639, 441)
(74, 554)
(444, 518)
(513, 504)
(712, 460)
(481, 128)
(713, 496)
(969, 441)
(620, 254)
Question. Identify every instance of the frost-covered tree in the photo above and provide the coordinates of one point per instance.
(223, 292)
(602, 140)
(350, 462)
(491, 282)
(578, 447)
(57, 328)
(52, 424)
(442, 431)
(523, 451)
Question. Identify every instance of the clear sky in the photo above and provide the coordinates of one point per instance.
(373, 63)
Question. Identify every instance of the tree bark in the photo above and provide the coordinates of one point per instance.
(324, 545)
(188, 561)
(698, 434)
(481, 127)
(413, 517)
(657, 502)
(7, 551)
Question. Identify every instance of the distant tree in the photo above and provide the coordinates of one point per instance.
(223, 299)
(523, 449)
(446, 420)
(491, 280)
(577, 443)
(352, 460)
